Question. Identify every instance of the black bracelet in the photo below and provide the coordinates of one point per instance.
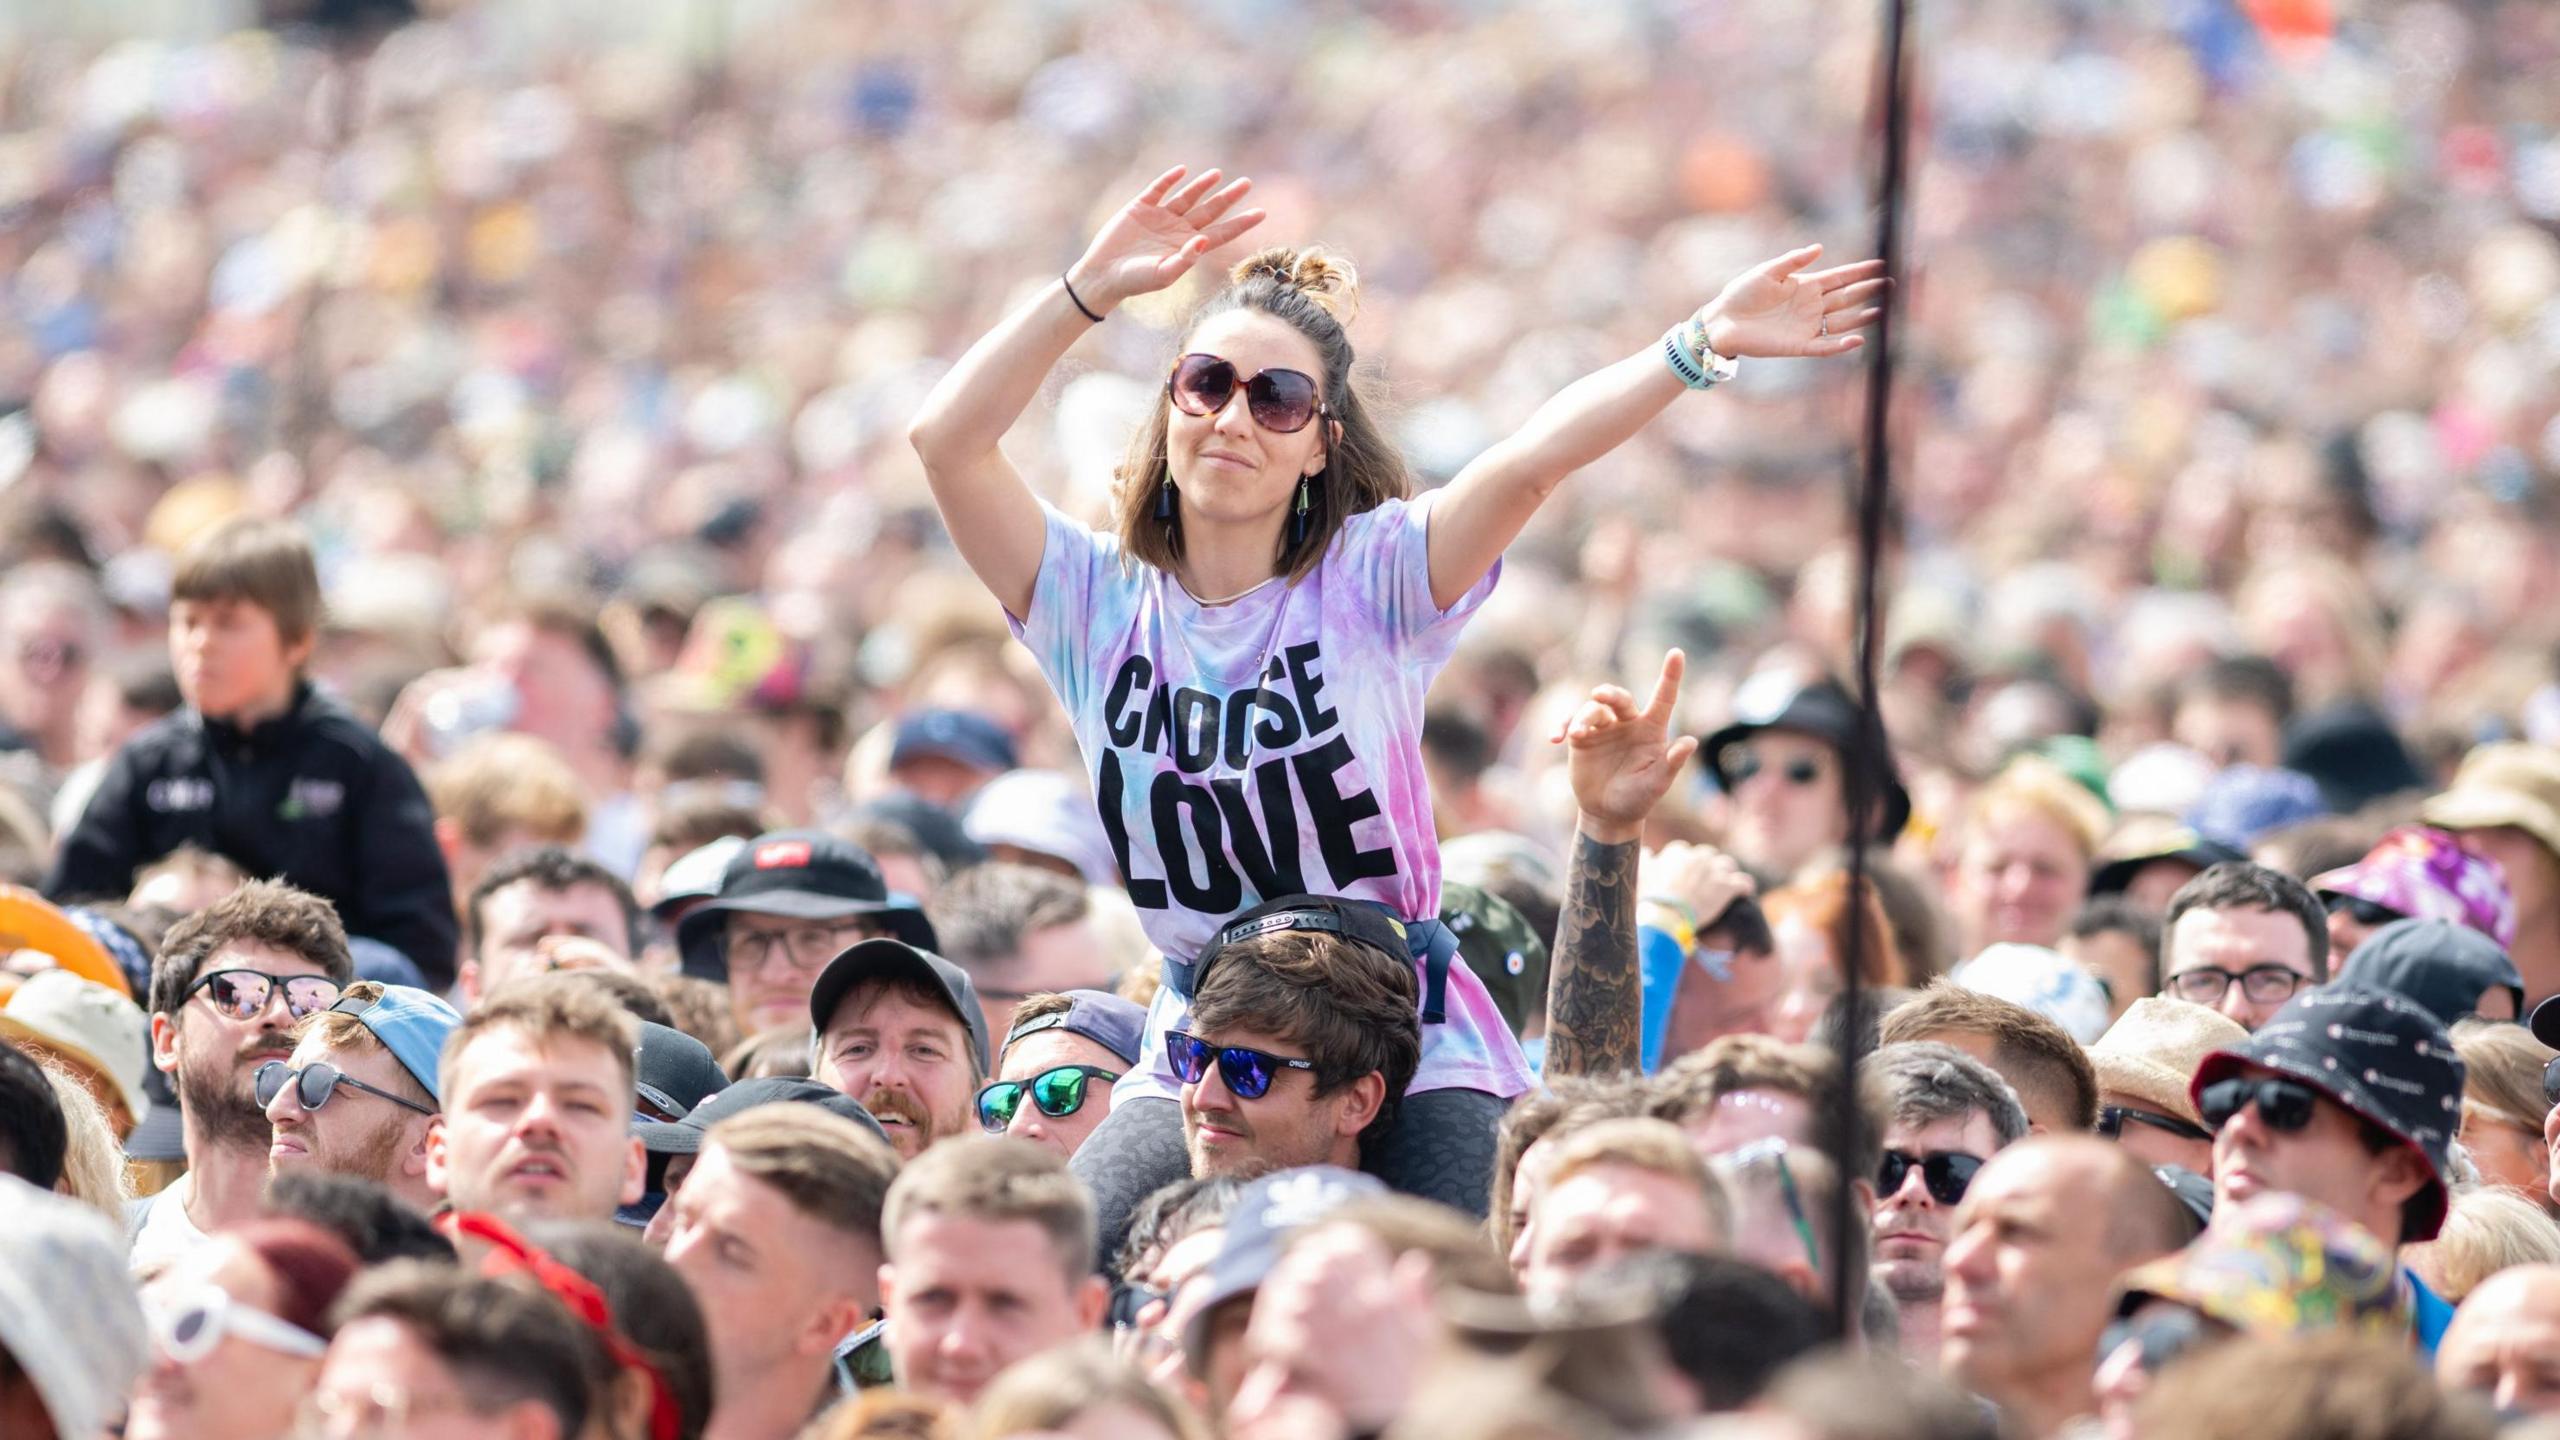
(1076, 299)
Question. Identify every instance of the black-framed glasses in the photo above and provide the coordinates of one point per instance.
(2207, 984)
(1946, 1173)
(1799, 772)
(314, 1084)
(1057, 1092)
(1282, 401)
(2357, 908)
(1248, 1073)
(2286, 1105)
(241, 994)
(2113, 1118)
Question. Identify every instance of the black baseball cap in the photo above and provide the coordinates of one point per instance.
(801, 875)
(1354, 920)
(875, 959)
(684, 1137)
(674, 1071)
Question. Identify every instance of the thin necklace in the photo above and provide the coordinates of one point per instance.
(1261, 667)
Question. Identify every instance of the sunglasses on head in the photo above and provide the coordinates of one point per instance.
(1281, 401)
(2285, 1105)
(189, 1325)
(1946, 1173)
(1058, 1093)
(241, 994)
(314, 1084)
(1248, 1073)
(2113, 1118)
(1798, 772)
(2362, 911)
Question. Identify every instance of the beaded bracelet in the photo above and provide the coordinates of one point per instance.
(1685, 349)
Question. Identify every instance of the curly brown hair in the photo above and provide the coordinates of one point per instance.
(262, 912)
(1351, 1007)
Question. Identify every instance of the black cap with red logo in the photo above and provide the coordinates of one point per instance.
(799, 875)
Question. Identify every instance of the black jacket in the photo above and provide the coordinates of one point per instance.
(311, 797)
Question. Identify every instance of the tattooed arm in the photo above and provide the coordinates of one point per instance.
(1622, 764)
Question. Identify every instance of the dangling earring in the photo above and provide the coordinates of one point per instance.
(1298, 519)
(1164, 501)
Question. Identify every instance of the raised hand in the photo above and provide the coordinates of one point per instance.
(1156, 238)
(1778, 308)
(1622, 760)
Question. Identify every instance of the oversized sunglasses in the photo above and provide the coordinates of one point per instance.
(1282, 401)
(1799, 773)
(2113, 1118)
(241, 994)
(1248, 1073)
(2286, 1105)
(187, 1326)
(1057, 1093)
(1946, 1173)
(314, 1084)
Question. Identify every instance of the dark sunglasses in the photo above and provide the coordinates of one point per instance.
(2551, 1080)
(1282, 401)
(2165, 1333)
(314, 1084)
(1248, 1073)
(1130, 1299)
(2360, 910)
(1058, 1093)
(2113, 1118)
(1799, 772)
(1946, 1173)
(2286, 1105)
(241, 994)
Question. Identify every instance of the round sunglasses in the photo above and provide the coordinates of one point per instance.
(1946, 1173)
(1281, 401)
(1248, 1072)
(241, 994)
(2286, 1105)
(1057, 1093)
(314, 1084)
(190, 1324)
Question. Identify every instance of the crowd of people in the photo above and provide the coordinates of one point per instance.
(723, 734)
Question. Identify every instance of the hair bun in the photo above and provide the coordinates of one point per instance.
(1324, 277)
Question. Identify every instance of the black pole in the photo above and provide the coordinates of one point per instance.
(1866, 775)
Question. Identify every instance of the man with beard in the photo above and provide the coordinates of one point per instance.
(1945, 1114)
(899, 1029)
(361, 1089)
(229, 986)
(538, 1097)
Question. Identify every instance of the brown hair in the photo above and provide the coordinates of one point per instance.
(1351, 1007)
(1822, 902)
(507, 1341)
(992, 1179)
(1461, 1256)
(1566, 1100)
(2502, 1066)
(263, 912)
(700, 1008)
(1654, 1146)
(1314, 293)
(2329, 1385)
(1049, 1391)
(265, 562)
(547, 1007)
(345, 1034)
(2038, 1058)
(779, 1053)
(1730, 1064)
(885, 1415)
(830, 1169)
(502, 784)
(986, 911)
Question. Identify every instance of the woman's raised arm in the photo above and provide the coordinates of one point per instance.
(1152, 242)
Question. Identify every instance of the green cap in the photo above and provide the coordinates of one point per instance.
(1498, 945)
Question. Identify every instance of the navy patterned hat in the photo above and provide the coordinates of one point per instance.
(2381, 1055)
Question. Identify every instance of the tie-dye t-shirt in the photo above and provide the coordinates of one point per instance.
(1268, 746)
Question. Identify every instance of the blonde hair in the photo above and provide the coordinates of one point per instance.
(2503, 1067)
(2486, 1230)
(830, 1169)
(506, 784)
(1051, 1390)
(1315, 293)
(92, 1161)
(2037, 785)
(1654, 1146)
(886, 1415)
(991, 1179)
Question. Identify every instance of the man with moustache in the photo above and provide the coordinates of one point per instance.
(538, 1099)
(900, 1030)
(1946, 1114)
(230, 984)
(361, 1089)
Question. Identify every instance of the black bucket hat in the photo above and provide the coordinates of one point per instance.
(1826, 712)
(801, 875)
(871, 959)
(2383, 1056)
